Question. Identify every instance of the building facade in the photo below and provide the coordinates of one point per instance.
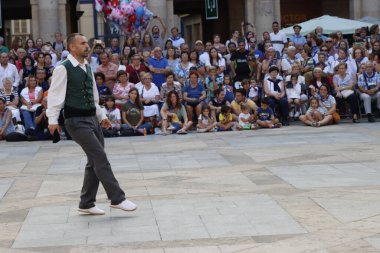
(42, 18)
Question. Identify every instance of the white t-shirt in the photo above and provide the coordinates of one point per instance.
(204, 58)
(151, 93)
(294, 92)
(244, 116)
(221, 63)
(286, 64)
(113, 115)
(278, 40)
(178, 42)
(301, 79)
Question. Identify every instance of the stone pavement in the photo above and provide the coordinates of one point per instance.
(294, 189)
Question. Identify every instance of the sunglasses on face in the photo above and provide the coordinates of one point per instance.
(328, 41)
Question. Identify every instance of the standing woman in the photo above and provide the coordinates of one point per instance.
(173, 114)
(31, 97)
(6, 124)
(30, 47)
(146, 44)
(16, 44)
(344, 87)
(78, 94)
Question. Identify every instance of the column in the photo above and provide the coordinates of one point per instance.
(370, 8)
(277, 11)
(62, 17)
(48, 20)
(355, 9)
(35, 19)
(249, 11)
(264, 15)
(158, 7)
(170, 22)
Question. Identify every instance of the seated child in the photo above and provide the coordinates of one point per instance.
(225, 119)
(245, 119)
(206, 122)
(265, 116)
(293, 93)
(316, 115)
(114, 116)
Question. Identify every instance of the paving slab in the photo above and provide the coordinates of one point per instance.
(293, 189)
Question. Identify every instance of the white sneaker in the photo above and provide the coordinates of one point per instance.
(93, 211)
(170, 128)
(291, 114)
(126, 205)
(297, 114)
(157, 131)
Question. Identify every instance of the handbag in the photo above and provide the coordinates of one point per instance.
(336, 117)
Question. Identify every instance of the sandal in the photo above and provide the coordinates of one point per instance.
(181, 131)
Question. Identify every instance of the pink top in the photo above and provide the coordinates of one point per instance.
(32, 96)
(118, 89)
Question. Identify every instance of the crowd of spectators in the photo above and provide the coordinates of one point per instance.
(158, 84)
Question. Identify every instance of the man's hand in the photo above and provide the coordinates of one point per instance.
(106, 124)
(52, 129)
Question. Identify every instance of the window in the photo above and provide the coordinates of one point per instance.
(20, 27)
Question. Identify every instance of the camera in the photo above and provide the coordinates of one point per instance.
(289, 85)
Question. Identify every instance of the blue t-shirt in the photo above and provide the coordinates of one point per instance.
(158, 79)
(264, 115)
(103, 90)
(194, 92)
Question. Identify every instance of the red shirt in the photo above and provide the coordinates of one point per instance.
(134, 74)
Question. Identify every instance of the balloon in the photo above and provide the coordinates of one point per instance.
(139, 12)
(137, 24)
(135, 4)
(132, 18)
(115, 3)
(99, 4)
(126, 9)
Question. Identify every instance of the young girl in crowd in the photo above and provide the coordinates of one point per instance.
(265, 116)
(245, 119)
(314, 114)
(114, 116)
(225, 119)
(293, 93)
(206, 122)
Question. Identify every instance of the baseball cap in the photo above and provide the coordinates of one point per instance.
(198, 42)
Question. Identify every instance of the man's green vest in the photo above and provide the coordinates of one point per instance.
(79, 99)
